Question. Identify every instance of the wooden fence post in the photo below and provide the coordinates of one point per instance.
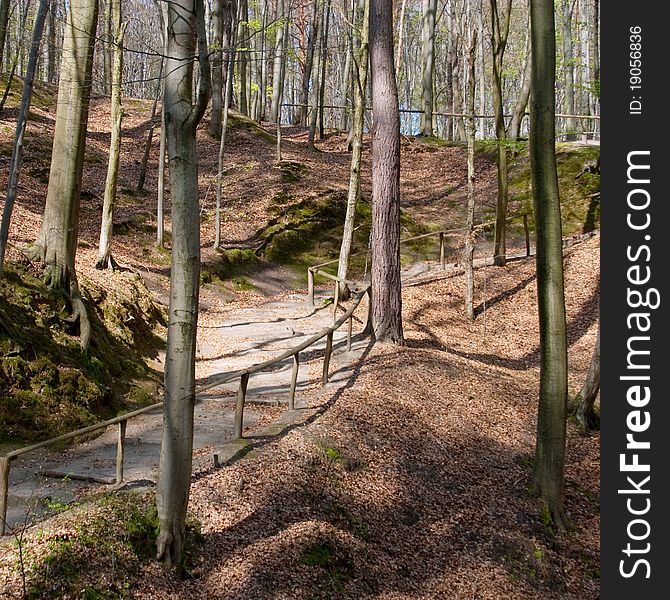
(326, 357)
(310, 286)
(4, 491)
(120, 450)
(294, 381)
(442, 263)
(239, 407)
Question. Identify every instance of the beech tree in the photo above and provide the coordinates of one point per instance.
(105, 258)
(56, 244)
(500, 31)
(551, 417)
(186, 40)
(583, 403)
(385, 235)
(360, 82)
(427, 62)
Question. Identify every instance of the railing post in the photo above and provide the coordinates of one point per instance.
(239, 407)
(310, 286)
(326, 357)
(442, 264)
(4, 491)
(350, 327)
(294, 381)
(120, 450)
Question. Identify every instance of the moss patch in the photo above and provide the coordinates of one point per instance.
(48, 386)
(580, 201)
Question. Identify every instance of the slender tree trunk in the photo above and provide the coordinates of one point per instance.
(107, 47)
(401, 37)
(482, 71)
(345, 84)
(309, 62)
(4, 22)
(160, 208)
(185, 29)
(51, 42)
(222, 145)
(278, 63)
(150, 135)
(385, 242)
(568, 68)
(22, 119)
(499, 42)
(514, 129)
(470, 208)
(551, 421)
(361, 82)
(427, 66)
(322, 83)
(217, 68)
(316, 88)
(585, 399)
(105, 259)
(56, 244)
(242, 36)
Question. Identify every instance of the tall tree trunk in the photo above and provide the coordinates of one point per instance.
(361, 82)
(4, 22)
(150, 135)
(243, 37)
(583, 403)
(550, 446)
(499, 42)
(470, 207)
(56, 244)
(160, 207)
(568, 68)
(309, 62)
(316, 89)
(21, 121)
(107, 51)
(222, 147)
(427, 66)
(278, 63)
(51, 42)
(385, 242)
(345, 84)
(482, 71)
(514, 129)
(185, 29)
(217, 68)
(105, 259)
(324, 61)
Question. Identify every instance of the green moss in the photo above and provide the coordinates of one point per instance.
(580, 201)
(239, 121)
(333, 557)
(48, 386)
(292, 171)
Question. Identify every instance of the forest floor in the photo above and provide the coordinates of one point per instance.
(410, 481)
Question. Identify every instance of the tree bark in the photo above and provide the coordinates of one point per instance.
(314, 100)
(217, 68)
(568, 68)
(551, 421)
(514, 129)
(21, 121)
(385, 242)
(4, 22)
(499, 42)
(185, 29)
(56, 244)
(470, 207)
(427, 66)
(105, 259)
(361, 82)
(278, 64)
(309, 62)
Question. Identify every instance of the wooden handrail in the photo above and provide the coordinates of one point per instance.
(219, 379)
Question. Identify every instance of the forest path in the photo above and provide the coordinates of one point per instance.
(247, 336)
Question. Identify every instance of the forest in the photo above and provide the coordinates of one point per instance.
(299, 299)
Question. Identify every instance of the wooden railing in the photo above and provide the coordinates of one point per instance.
(318, 269)
(214, 381)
